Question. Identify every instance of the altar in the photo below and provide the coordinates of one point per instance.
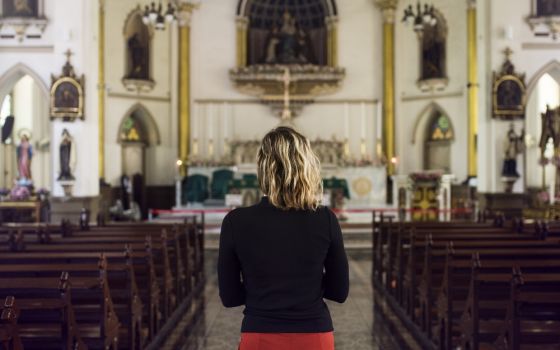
(209, 181)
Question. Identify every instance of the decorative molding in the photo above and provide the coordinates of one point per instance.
(319, 102)
(431, 96)
(184, 12)
(540, 46)
(27, 49)
(471, 4)
(139, 97)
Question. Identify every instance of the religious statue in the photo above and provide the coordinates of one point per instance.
(548, 7)
(433, 51)
(24, 155)
(137, 55)
(289, 44)
(67, 157)
(514, 145)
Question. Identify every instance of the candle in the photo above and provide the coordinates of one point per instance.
(346, 148)
(379, 118)
(363, 123)
(210, 119)
(211, 148)
(346, 121)
(195, 147)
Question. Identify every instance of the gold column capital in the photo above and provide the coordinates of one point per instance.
(471, 4)
(331, 21)
(184, 12)
(388, 9)
(242, 22)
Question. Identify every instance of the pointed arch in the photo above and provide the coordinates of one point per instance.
(552, 68)
(422, 120)
(143, 115)
(14, 74)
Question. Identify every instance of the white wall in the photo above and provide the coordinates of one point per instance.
(72, 25)
(213, 54)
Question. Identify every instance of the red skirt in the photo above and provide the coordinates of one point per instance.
(287, 341)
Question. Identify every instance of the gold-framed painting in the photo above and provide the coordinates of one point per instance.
(67, 95)
(509, 92)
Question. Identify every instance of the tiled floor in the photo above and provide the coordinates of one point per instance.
(355, 328)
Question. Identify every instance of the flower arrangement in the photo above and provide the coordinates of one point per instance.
(20, 193)
(43, 192)
(425, 177)
(543, 161)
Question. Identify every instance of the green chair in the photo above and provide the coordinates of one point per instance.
(220, 183)
(194, 189)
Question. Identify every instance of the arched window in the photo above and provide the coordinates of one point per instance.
(437, 146)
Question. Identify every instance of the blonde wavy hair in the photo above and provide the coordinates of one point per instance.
(289, 172)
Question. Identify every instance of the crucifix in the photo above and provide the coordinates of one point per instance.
(286, 112)
(68, 53)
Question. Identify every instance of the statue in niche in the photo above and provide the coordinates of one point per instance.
(548, 7)
(137, 52)
(514, 145)
(433, 54)
(24, 154)
(19, 8)
(67, 157)
(289, 44)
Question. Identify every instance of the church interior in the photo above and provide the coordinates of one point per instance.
(130, 128)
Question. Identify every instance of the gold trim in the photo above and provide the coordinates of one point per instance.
(184, 97)
(241, 40)
(508, 114)
(101, 89)
(389, 94)
(472, 92)
(332, 41)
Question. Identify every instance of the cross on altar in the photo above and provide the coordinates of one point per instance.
(68, 53)
(508, 52)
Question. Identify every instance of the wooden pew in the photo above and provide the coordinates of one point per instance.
(504, 312)
(457, 287)
(47, 318)
(9, 332)
(533, 315)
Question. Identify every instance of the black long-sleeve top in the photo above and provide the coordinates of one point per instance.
(280, 264)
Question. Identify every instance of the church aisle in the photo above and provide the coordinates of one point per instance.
(218, 328)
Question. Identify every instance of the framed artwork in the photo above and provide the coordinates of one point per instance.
(67, 94)
(509, 92)
(20, 8)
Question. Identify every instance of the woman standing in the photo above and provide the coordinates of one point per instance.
(283, 256)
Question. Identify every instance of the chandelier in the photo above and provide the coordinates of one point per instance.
(154, 15)
(421, 17)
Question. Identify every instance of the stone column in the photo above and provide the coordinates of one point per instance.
(388, 9)
(101, 90)
(472, 85)
(185, 10)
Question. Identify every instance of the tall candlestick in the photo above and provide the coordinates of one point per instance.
(195, 147)
(363, 131)
(211, 149)
(378, 119)
(346, 120)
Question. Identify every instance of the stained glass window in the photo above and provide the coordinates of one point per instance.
(131, 130)
(440, 128)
